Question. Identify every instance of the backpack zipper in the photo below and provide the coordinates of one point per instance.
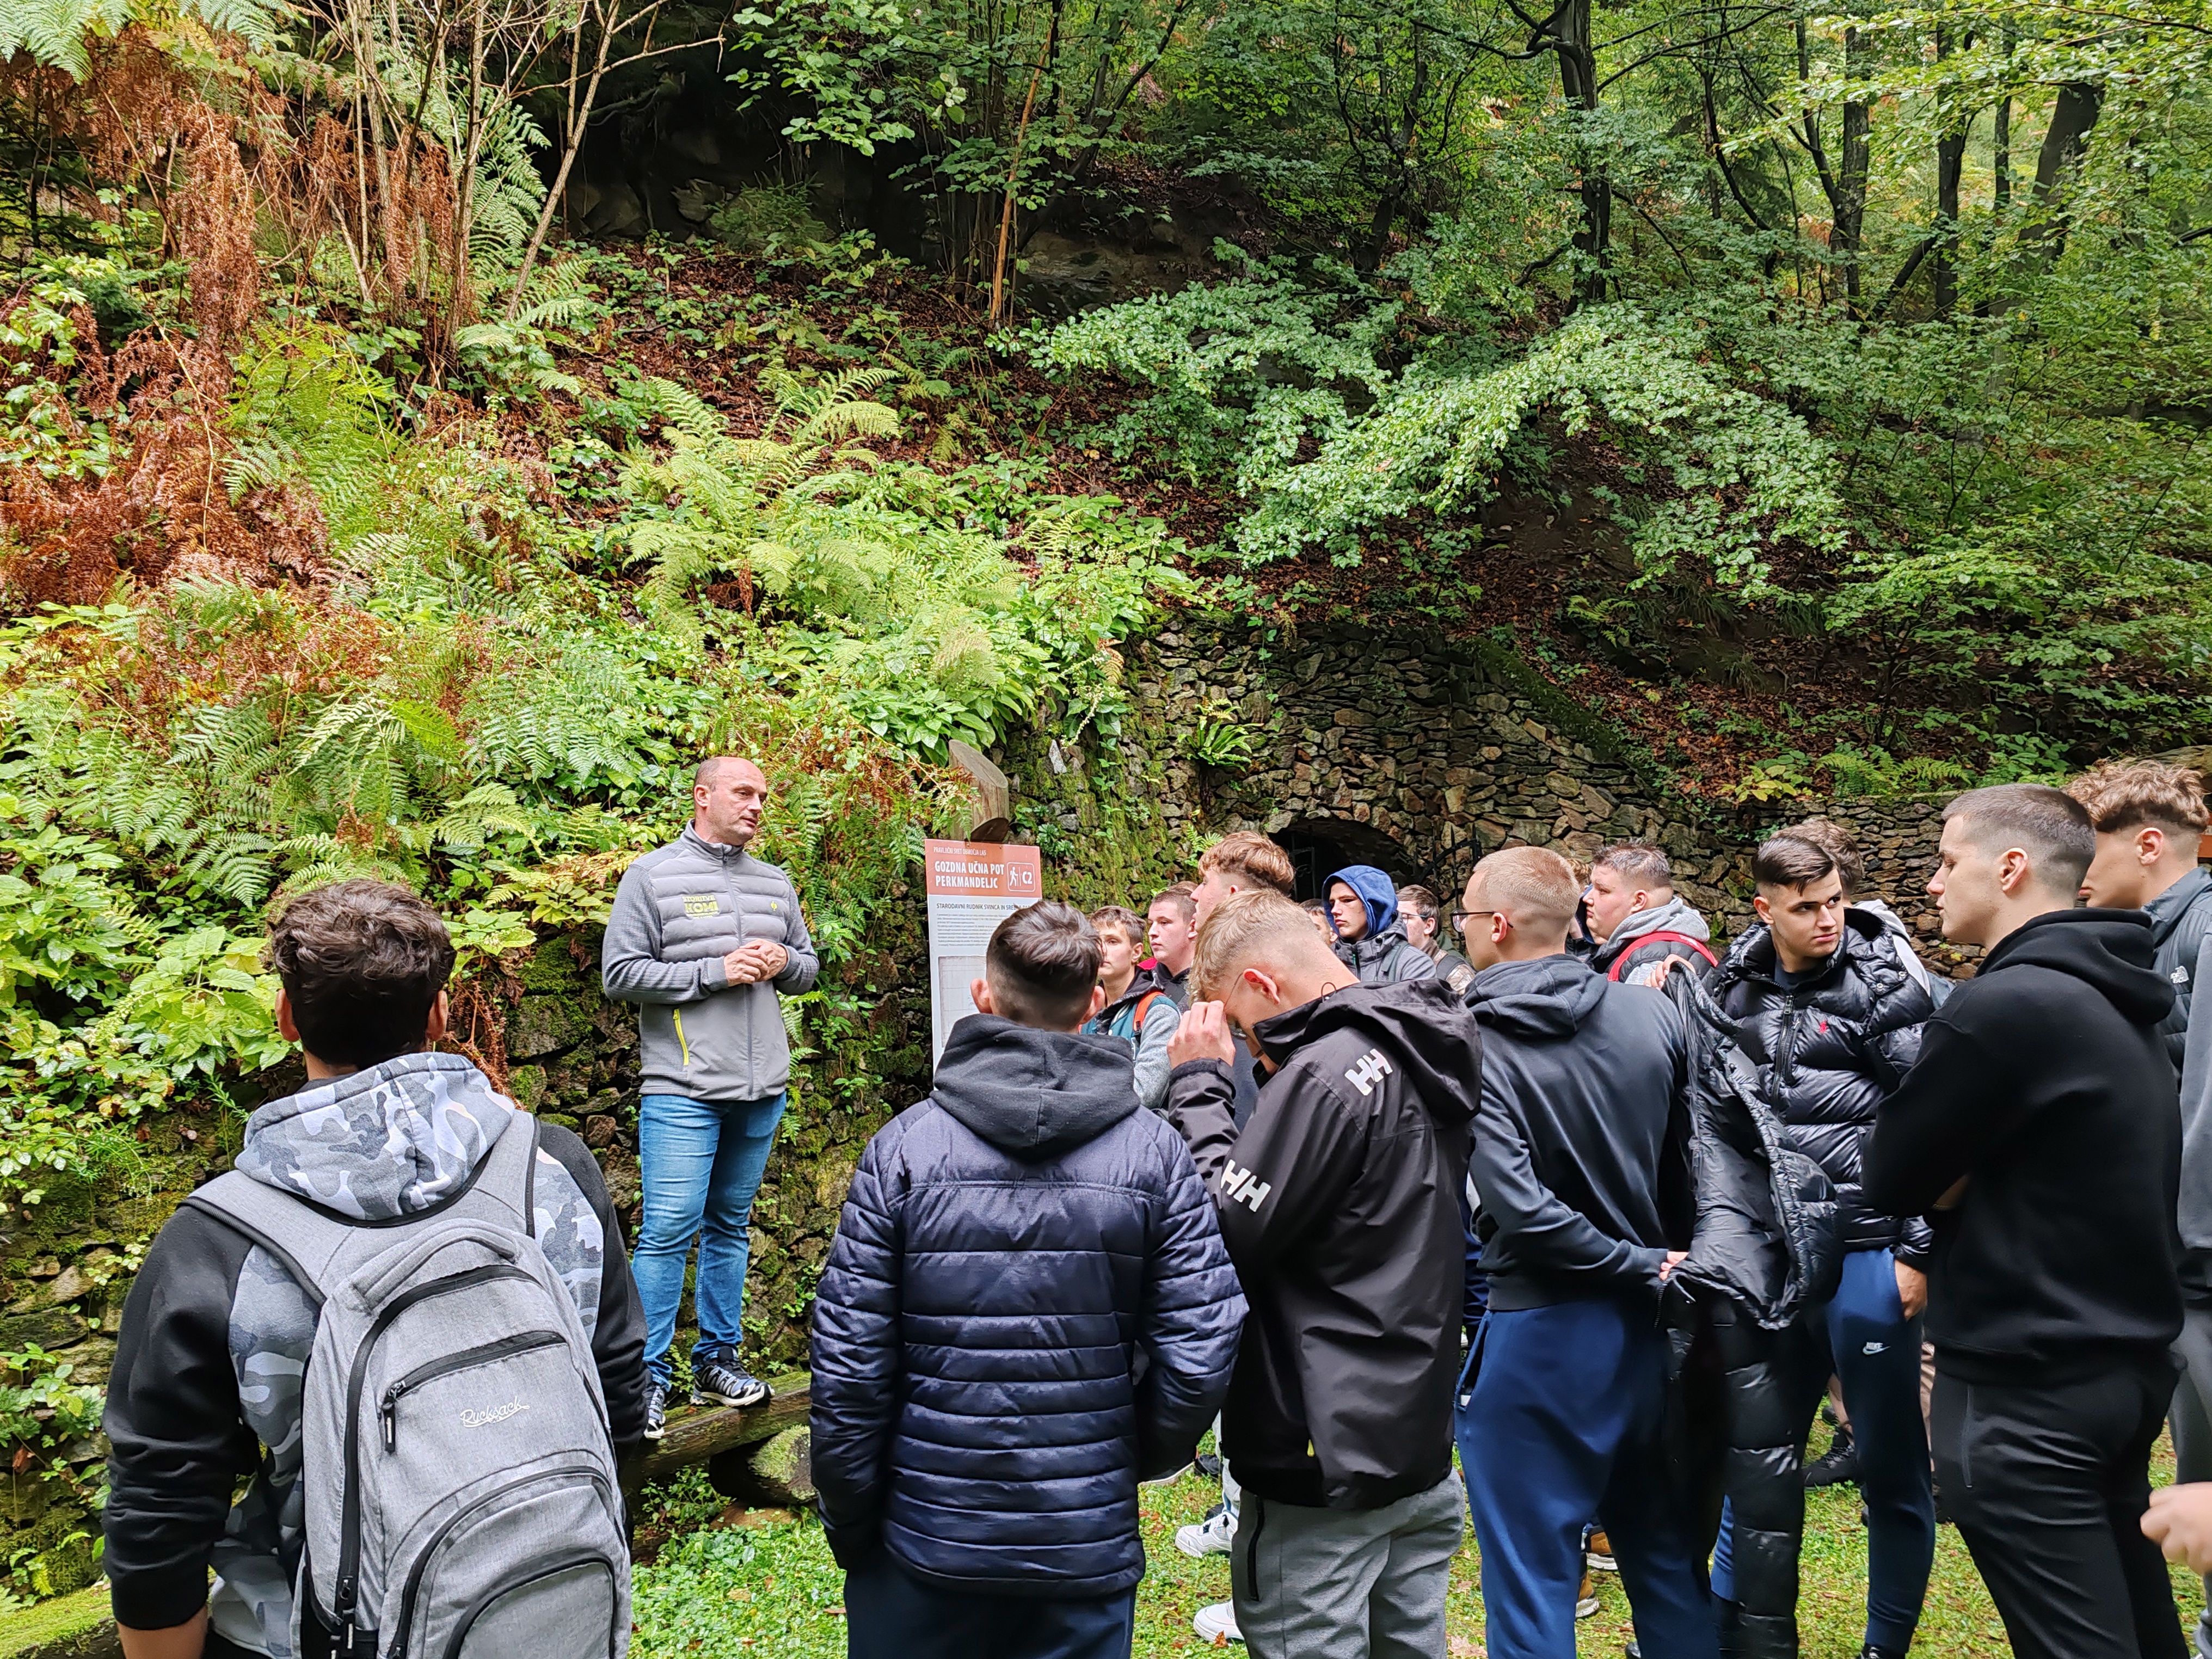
(347, 1597)
(506, 1347)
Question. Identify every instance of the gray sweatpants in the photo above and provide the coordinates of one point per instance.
(2192, 1426)
(1317, 1583)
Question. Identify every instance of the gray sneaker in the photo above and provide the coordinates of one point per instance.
(725, 1382)
(656, 1410)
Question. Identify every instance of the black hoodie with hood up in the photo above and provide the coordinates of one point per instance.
(2044, 1081)
(1581, 1139)
(1340, 1201)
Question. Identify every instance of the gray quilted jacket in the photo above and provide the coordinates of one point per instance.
(678, 912)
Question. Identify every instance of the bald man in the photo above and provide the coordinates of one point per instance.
(1339, 1200)
(1581, 1180)
(703, 938)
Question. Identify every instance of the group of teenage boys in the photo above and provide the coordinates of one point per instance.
(1317, 1186)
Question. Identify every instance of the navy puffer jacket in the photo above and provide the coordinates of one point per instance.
(1829, 1050)
(1027, 1307)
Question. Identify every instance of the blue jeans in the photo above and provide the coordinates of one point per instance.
(701, 1161)
(1561, 1422)
(1873, 1351)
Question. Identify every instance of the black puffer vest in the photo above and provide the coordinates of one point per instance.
(1828, 1051)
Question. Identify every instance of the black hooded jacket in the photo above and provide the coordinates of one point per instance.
(1580, 1154)
(1829, 1049)
(1027, 1308)
(1339, 1200)
(2044, 1083)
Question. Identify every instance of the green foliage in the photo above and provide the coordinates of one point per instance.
(773, 1588)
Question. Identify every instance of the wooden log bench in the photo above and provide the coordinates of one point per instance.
(731, 1442)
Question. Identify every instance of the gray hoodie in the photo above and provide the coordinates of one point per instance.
(678, 912)
(1674, 916)
(2181, 935)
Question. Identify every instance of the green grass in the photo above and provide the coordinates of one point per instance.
(53, 1625)
(772, 1592)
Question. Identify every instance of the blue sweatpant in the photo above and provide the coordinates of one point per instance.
(1560, 1423)
(1874, 1350)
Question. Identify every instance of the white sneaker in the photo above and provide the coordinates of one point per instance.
(1212, 1536)
(1217, 1625)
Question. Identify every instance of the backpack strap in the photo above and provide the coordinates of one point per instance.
(1697, 945)
(304, 1239)
(1145, 1008)
(307, 1239)
(509, 1176)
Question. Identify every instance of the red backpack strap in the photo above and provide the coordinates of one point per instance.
(1697, 945)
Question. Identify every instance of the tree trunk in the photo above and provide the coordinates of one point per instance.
(2065, 142)
(1570, 29)
(1950, 161)
(1850, 237)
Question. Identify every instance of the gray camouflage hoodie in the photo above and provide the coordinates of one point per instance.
(397, 1140)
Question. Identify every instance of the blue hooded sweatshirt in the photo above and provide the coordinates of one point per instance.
(1383, 955)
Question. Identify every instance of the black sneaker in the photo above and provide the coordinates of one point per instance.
(725, 1382)
(1208, 1466)
(1838, 1464)
(656, 1410)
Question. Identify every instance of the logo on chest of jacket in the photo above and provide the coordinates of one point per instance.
(1242, 1187)
(704, 905)
(1371, 1069)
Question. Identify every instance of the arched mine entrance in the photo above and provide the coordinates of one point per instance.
(1319, 847)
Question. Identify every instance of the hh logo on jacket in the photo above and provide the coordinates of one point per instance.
(1242, 1187)
(1370, 1069)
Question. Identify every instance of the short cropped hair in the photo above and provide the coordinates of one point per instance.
(1790, 860)
(1536, 888)
(1043, 964)
(1251, 856)
(1419, 900)
(1639, 862)
(1178, 895)
(1258, 926)
(1119, 915)
(711, 767)
(2131, 794)
(1839, 845)
(2052, 828)
(361, 962)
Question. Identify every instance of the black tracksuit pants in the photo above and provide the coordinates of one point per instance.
(2048, 1482)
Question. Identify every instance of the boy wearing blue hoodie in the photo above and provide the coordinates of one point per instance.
(1370, 940)
(1027, 1309)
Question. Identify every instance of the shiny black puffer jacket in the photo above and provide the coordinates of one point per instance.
(1829, 1050)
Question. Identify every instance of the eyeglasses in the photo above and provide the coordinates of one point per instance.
(1461, 917)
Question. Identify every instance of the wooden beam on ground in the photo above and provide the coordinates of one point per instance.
(698, 1434)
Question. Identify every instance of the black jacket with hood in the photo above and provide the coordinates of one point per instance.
(1581, 1137)
(2044, 1083)
(1829, 1048)
(1339, 1200)
(1027, 1308)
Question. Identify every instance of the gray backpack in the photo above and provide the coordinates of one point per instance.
(462, 1500)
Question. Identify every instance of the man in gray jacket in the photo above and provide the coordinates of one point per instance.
(704, 937)
(2148, 817)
